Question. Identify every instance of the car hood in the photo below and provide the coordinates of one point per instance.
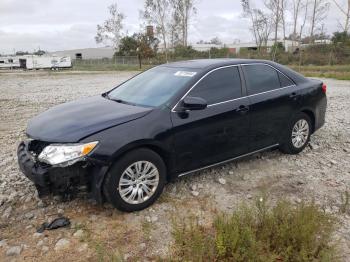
(73, 121)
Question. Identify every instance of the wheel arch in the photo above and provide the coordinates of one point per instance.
(310, 113)
(99, 176)
(155, 146)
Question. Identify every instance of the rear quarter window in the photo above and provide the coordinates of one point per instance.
(261, 78)
(285, 81)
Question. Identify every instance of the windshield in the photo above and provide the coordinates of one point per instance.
(153, 87)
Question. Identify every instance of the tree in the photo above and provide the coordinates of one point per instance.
(182, 11)
(111, 30)
(275, 8)
(345, 10)
(299, 15)
(40, 52)
(147, 45)
(305, 15)
(297, 6)
(284, 4)
(260, 23)
(216, 41)
(340, 38)
(22, 53)
(174, 33)
(128, 46)
(138, 45)
(157, 13)
(319, 13)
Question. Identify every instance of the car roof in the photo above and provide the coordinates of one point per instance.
(206, 65)
(212, 63)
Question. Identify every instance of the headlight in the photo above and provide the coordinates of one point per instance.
(64, 155)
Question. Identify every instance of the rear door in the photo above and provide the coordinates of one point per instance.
(220, 131)
(272, 103)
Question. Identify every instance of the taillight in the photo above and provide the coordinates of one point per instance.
(324, 88)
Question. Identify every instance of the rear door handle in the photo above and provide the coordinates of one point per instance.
(293, 95)
(242, 109)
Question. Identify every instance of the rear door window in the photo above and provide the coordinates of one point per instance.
(261, 78)
(221, 85)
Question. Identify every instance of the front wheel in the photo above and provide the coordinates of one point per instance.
(298, 134)
(136, 180)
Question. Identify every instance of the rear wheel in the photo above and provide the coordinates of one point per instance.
(297, 135)
(136, 180)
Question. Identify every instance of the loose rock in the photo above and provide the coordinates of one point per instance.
(14, 251)
(195, 193)
(7, 212)
(79, 233)
(83, 247)
(193, 187)
(63, 243)
(36, 235)
(222, 181)
(3, 243)
(154, 219)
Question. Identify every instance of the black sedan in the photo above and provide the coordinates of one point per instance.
(172, 120)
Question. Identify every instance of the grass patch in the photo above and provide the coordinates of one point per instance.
(345, 203)
(104, 254)
(108, 67)
(146, 229)
(340, 72)
(259, 233)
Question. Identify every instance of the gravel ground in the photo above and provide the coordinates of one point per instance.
(320, 173)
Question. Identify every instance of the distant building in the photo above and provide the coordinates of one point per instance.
(235, 48)
(87, 53)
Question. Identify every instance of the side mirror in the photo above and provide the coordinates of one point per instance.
(194, 103)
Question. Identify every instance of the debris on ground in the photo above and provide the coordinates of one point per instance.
(57, 223)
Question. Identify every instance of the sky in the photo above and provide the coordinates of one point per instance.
(52, 25)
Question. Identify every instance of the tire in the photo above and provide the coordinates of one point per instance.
(114, 190)
(288, 146)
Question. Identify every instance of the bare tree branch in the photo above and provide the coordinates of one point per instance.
(182, 12)
(111, 30)
(346, 12)
(319, 13)
(157, 12)
(260, 23)
(274, 6)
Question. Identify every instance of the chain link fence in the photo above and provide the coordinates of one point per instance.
(331, 61)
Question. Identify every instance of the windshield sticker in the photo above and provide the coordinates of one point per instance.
(185, 73)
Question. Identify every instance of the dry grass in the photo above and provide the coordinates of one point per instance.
(340, 72)
(259, 233)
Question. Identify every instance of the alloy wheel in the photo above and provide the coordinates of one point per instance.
(300, 133)
(138, 182)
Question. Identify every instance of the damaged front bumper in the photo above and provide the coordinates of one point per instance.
(65, 181)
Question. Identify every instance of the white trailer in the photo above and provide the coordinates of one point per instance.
(9, 62)
(46, 62)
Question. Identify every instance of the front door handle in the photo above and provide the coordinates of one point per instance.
(242, 109)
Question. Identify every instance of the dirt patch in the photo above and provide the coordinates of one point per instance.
(320, 173)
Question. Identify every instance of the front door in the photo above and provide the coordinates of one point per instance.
(217, 133)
